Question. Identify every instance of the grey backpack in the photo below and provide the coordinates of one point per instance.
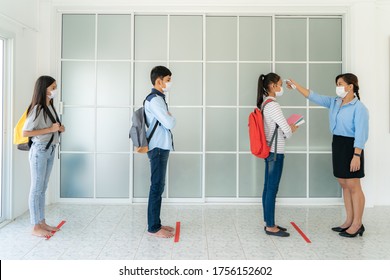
(138, 130)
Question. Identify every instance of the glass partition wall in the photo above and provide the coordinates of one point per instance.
(2, 78)
(215, 61)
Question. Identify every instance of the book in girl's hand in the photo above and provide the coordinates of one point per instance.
(295, 119)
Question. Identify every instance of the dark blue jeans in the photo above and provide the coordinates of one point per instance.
(273, 173)
(158, 167)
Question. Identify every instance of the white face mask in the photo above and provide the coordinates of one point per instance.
(168, 87)
(341, 92)
(279, 93)
(53, 94)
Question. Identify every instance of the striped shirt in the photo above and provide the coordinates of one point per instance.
(273, 115)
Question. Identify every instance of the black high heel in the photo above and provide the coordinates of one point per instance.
(339, 229)
(360, 231)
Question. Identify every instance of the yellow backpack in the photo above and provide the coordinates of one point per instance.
(23, 143)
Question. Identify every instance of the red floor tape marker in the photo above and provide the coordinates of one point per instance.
(301, 232)
(59, 226)
(177, 234)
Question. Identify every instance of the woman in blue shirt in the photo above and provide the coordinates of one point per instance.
(348, 121)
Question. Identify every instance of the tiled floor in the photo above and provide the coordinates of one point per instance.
(207, 232)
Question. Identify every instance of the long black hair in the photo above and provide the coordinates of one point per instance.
(39, 95)
(350, 79)
(263, 84)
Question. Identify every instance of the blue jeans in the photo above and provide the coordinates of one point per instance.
(41, 164)
(158, 167)
(273, 173)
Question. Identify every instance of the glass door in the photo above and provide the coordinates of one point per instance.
(1, 122)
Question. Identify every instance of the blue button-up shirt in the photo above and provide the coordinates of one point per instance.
(350, 120)
(157, 109)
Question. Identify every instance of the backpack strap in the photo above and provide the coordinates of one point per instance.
(157, 122)
(148, 97)
(53, 120)
(275, 134)
(264, 104)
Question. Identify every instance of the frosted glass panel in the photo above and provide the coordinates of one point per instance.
(243, 129)
(249, 76)
(220, 129)
(321, 179)
(187, 133)
(220, 175)
(184, 74)
(293, 183)
(320, 136)
(141, 178)
(251, 176)
(113, 126)
(186, 37)
(221, 84)
(113, 84)
(325, 39)
(255, 38)
(112, 176)
(78, 36)
(185, 175)
(298, 140)
(221, 38)
(78, 83)
(142, 83)
(151, 37)
(290, 39)
(80, 130)
(296, 72)
(322, 78)
(114, 37)
(77, 175)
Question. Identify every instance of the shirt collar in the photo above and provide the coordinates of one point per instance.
(158, 93)
(352, 102)
(270, 97)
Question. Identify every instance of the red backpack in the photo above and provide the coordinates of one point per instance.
(258, 142)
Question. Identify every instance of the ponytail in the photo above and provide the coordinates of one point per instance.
(261, 92)
(262, 86)
(357, 95)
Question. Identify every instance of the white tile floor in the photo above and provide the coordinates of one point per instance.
(208, 232)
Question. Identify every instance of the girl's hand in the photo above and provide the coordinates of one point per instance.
(293, 127)
(62, 128)
(355, 164)
(55, 127)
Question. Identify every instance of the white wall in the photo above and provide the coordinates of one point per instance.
(368, 40)
(381, 96)
(20, 25)
(24, 12)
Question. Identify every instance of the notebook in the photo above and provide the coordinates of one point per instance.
(296, 119)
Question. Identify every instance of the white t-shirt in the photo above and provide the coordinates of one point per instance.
(34, 122)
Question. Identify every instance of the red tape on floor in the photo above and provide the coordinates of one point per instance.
(177, 233)
(301, 232)
(59, 226)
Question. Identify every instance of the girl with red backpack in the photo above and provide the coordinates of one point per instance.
(270, 87)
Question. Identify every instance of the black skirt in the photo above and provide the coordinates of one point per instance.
(342, 154)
